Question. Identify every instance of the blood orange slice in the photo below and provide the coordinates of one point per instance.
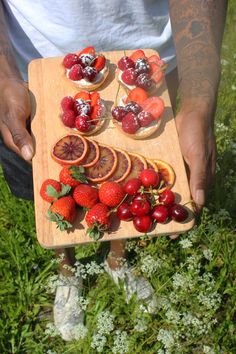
(151, 165)
(70, 150)
(104, 167)
(123, 166)
(92, 155)
(166, 173)
(138, 163)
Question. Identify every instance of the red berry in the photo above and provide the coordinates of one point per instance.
(85, 195)
(67, 103)
(76, 72)
(125, 63)
(86, 60)
(90, 73)
(137, 55)
(154, 105)
(133, 107)
(99, 62)
(142, 223)
(178, 212)
(132, 186)
(68, 118)
(149, 178)
(129, 76)
(124, 213)
(118, 113)
(145, 119)
(160, 213)
(141, 196)
(144, 81)
(82, 123)
(140, 207)
(111, 194)
(167, 197)
(137, 95)
(142, 66)
(130, 123)
(70, 60)
(50, 190)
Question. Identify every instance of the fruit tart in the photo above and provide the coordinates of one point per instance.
(87, 69)
(138, 118)
(84, 113)
(138, 70)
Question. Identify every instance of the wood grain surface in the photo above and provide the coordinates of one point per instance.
(48, 85)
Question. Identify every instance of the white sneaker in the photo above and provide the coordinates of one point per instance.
(134, 285)
(66, 311)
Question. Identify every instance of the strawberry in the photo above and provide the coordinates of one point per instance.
(154, 58)
(84, 95)
(87, 50)
(138, 95)
(95, 98)
(85, 195)
(158, 76)
(72, 175)
(99, 62)
(137, 55)
(98, 220)
(96, 112)
(154, 105)
(63, 212)
(111, 193)
(50, 190)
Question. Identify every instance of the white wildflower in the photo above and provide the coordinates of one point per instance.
(221, 128)
(182, 281)
(224, 62)
(173, 316)
(166, 337)
(94, 268)
(208, 350)
(186, 243)
(208, 254)
(105, 322)
(82, 303)
(210, 301)
(233, 87)
(51, 330)
(121, 345)
(80, 331)
(98, 342)
(52, 283)
(49, 351)
(80, 270)
(149, 265)
(141, 324)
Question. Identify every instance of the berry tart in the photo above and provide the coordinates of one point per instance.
(139, 117)
(87, 69)
(138, 70)
(84, 113)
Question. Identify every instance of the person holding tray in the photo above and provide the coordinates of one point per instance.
(54, 28)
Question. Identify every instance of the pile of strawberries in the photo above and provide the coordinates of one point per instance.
(137, 201)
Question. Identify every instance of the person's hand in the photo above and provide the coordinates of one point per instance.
(195, 128)
(14, 111)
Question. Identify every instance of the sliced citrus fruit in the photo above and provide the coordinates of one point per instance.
(70, 150)
(151, 165)
(138, 163)
(123, 166)
(92, 155)
(104, 167)
(166, 173)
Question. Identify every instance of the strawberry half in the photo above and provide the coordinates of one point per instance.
(154, 105)
(138, 95)
(63, 212)
(87, 50)
(95, 98)
(84, 95)
(100, 62)
(137, 54)
(98, 221)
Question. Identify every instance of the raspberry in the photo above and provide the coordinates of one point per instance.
(129, 76)
(68, 118)
(133, 107)
(90, 73)
(118, 113)
(82, 123)
(145, 118)
(85, 60)
(142, 66)
(130, 123)
(125, 63)
(67, 103)
(144, 81)
(82, 108)
(76, 72)
(70, 60)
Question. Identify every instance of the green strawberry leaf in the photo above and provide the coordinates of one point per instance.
(96, 231)
(65, 189)
(52, 192)
(78, 174)
(62, 224)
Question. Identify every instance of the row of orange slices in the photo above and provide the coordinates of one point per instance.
(104, 163)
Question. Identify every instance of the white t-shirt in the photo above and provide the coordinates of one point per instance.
(56, 27)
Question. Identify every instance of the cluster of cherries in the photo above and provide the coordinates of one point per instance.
(136, 73)
(81, 66)
(146, 206)
(132, 117)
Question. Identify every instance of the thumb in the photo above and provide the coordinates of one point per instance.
(198, 177)
(21, 138)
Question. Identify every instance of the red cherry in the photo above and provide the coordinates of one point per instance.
(142, 223)
(132, 186)
(130, 123)
(160, 213)
(141, 196)
(82, 123)
(124, 213)
(178, 212)
(167, 197)
(118, 113)
(129, 76)
(125, 63)
(149, 178)
(140, 207)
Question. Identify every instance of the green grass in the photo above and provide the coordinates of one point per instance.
(25, 267)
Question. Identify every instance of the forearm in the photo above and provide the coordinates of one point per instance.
(8, 66)
(197, 30)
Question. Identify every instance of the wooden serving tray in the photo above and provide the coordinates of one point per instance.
(48, 85)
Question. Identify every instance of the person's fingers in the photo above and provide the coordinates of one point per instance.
(20, 136)
(7, 138)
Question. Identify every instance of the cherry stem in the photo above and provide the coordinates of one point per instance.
(114, 210)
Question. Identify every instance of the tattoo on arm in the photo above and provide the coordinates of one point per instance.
(197, 30)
